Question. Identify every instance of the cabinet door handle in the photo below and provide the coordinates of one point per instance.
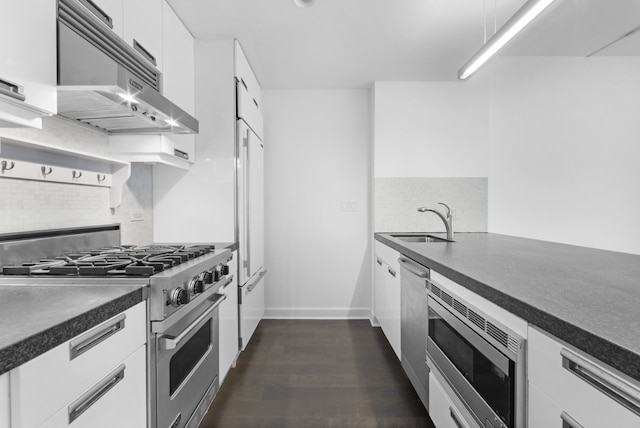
(456, 418)
(84, 343)
(145, 53)
(392, 272)
(11, 89)
(614, 387)
(379, 261)
(414, 268)
(99, 13)
(90, 397)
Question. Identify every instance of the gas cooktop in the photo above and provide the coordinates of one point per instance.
(124, 260)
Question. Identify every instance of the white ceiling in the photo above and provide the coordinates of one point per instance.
(352, 43)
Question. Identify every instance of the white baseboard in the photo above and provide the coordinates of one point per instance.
(317, 313)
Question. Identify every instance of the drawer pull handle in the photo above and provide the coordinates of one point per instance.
(378, 261)
(99, 13)
(84, 343)
(392, 272)
(12, 90)
(89, 398)
(456, 418)
(614, 387)
(144, 52)
(568, 421)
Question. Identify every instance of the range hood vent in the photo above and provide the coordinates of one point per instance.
(104, 82)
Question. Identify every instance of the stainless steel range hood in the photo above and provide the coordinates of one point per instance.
(104, 82)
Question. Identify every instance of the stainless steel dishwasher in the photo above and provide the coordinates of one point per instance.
(413, 332)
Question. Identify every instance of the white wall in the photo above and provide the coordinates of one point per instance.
(431, 129)
(317, 154)
(431, 144)
(565, 146)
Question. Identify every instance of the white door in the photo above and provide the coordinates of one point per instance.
(251, 202)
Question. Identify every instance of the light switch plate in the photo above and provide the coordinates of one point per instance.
(348, 205)
(136, 215)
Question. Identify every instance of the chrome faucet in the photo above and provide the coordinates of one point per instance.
(447, 219)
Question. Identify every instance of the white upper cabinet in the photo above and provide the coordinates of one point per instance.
(249, 95)
(27, 62)
(109, 11)
(178, 53)
(142, 28)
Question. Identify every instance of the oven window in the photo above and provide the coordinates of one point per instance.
(187, 357)
(494, 385)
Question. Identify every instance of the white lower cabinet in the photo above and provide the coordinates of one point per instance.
(442, 411)
(228, 322)
(567, 386)
(86, 373)
(387, 294)
(117, 400)
(5, 403)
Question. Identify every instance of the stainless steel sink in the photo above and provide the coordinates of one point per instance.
(419, 238)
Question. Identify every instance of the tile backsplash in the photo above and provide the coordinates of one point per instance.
(397, 200)
(35, 205)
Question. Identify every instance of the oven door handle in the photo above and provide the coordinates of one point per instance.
(172, 342)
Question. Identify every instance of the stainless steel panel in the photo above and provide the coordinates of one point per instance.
(413, 330)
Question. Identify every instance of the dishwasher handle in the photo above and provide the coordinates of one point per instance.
(414, 268)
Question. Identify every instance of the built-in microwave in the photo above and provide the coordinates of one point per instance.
(481, 360)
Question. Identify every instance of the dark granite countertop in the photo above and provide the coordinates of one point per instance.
(35, 319)
(587, 297)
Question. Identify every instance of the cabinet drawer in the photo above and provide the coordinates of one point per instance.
(5, 409)
(249, 96)
(40, 387)
(586, 404)
(108, 404)
(442, 411)
(387, 255)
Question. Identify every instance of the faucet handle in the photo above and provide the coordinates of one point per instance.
(448, 209)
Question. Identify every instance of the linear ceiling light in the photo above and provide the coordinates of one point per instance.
(513, 26)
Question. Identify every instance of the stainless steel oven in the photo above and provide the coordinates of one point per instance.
(482, 361)
(186, 352)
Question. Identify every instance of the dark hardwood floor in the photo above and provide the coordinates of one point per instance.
(311, 373)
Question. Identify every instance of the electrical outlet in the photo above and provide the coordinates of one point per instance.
(136, 215)
(347, 205)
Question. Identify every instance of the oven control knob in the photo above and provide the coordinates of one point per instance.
(217, 274)
(196, 285)
(207, 277)
(178, 296)
(225, 269)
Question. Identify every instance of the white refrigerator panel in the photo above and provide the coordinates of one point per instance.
(251, 308)
(250, 202)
